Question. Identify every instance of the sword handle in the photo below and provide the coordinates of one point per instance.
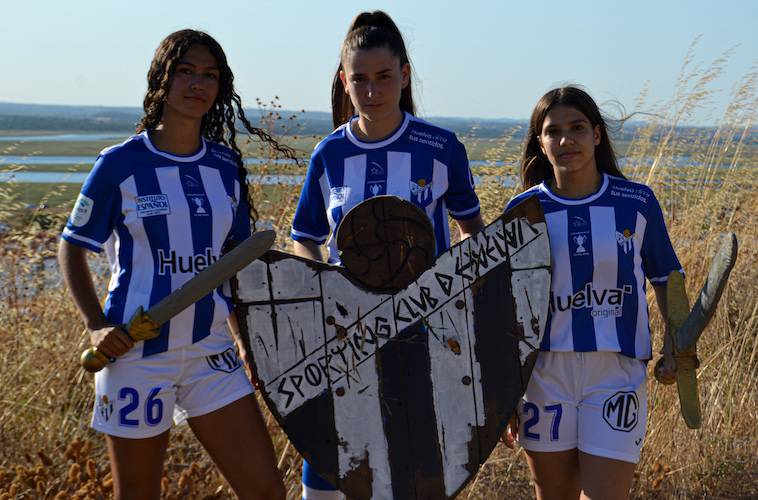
(140, 327)
(93, 360)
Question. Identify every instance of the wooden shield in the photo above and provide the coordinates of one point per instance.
(404, 394)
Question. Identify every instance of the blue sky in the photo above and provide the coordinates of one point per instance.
(472, 58)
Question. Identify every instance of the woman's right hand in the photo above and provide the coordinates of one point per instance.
(510, 434)
(111, 340)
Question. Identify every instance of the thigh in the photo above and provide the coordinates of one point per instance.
(137, 465)
(237, 440)
(555, 474)
(605, 478)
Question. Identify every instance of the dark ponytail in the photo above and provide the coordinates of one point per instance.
(369, 30)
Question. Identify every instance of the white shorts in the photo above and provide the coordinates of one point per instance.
(593, 401)
(139, 397)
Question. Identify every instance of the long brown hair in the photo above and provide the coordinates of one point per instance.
(535, 167)
(218, 124)
(369, 30)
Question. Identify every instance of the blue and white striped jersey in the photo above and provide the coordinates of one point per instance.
(603, 247)
(419, 162)
(164, 218)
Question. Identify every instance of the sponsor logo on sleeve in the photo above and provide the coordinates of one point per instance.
(152, 204)
(82, 210)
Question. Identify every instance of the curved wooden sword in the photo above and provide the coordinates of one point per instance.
(686, 326)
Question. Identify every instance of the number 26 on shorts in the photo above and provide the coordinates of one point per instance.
(531, 414)
(153, 407)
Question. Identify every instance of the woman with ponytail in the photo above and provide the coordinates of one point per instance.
(379, 147)
(165, 203)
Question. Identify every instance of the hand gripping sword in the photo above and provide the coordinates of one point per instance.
(686, 326)
(144, 325)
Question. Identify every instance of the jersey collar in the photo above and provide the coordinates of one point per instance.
(153, 149)
(379, 144)
(576, 201)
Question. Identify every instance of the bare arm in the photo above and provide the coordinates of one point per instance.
(109, 339)
(470, 226)
(309, 250)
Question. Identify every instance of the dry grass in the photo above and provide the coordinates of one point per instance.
(48, 451)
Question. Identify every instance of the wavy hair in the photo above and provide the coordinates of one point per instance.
(369, 30)
(219, 122)
(534, 166)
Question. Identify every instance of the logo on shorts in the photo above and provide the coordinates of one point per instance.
(152, 204)
(105, 407)
(621, 411)
(226, 361)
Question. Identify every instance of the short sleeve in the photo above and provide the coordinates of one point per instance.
(96, 210)
(461, 200)
(658, 256)
(241, 225)
(310, 222)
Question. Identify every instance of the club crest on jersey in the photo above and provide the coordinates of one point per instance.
(152, 204)
(82, 210)
(105, 407)
(199, 201)
(625, 240)
(422, 190)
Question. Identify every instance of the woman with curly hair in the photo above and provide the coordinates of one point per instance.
(165, 203)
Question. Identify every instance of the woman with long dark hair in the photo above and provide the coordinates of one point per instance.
(379, 147)
(165, 203)
(582, 420)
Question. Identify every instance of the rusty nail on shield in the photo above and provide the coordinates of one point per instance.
(340, 391)
(330, 320)
(454, 346)
(466, 380)
(460, 304)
